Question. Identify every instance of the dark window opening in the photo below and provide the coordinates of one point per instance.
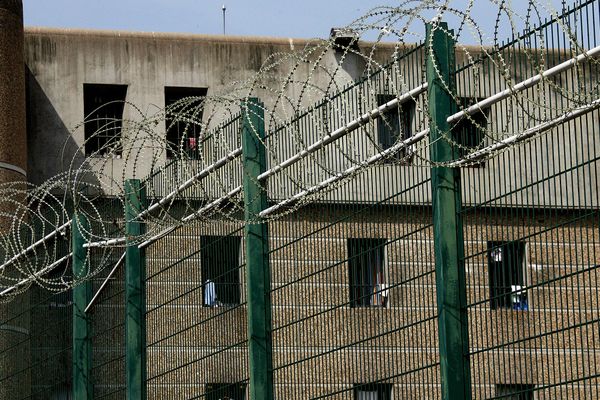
(373, 391)
(225, 391)
(515, 392)
(469, 132)
(183, 120)
(220, 258)
(368, 284)
(506, 274)
(344, 39)
(394, 125)
(103, 108)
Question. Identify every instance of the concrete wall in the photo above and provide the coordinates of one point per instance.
(61, 61)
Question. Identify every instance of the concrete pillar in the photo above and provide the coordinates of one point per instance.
(15, 377)
(13, 134)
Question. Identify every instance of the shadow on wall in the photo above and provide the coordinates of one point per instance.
(50, 144)
(353, 64)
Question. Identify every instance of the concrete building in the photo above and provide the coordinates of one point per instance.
(330, 339)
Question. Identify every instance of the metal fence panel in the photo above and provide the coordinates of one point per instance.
(353, 285)
(531, 225)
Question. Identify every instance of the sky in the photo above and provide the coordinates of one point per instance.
(298, 18)
(281, 18)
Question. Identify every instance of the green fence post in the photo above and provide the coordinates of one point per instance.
(135, 294)
(447, 223)
(82, 295)
(258, 274)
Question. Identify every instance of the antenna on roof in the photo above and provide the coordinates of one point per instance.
(224, 8)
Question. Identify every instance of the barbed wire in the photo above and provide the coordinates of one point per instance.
(327, 86)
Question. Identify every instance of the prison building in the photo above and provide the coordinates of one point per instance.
(353, 312)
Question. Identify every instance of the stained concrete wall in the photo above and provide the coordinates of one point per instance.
(61, 61)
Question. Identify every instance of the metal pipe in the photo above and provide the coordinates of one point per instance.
(105, 243)
(159, 235)
(341, 132)
(200, 175)
(526, 84)
(29, 249)
(41, 272)
(212, 204)
(519, 137)
(192, 216)
(101, 288)
(371, 160)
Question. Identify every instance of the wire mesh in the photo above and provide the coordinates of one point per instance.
(353, 274)
(107, 313)
(35, 331)
(108, 330)
(196, 301)
(531, 224)
(196, 313)
(35, 340)
(354, 301)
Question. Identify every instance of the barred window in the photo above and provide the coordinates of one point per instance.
(396, 124)
(469, 132)
(373, 391)
(506, 265)
(225, 391)
(368, 284)
(103, 106)
(220, 263)
(183, 119)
